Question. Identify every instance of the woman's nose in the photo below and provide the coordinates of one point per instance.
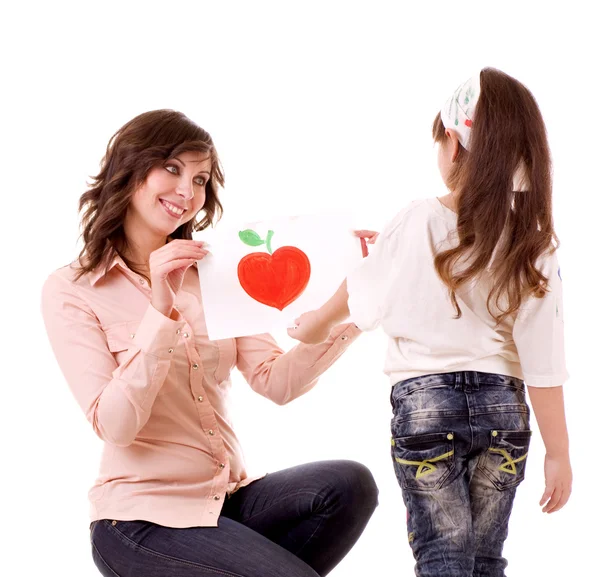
(185, 190)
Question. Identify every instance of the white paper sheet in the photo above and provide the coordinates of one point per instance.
(326, 240)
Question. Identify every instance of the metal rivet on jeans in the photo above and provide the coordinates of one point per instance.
(450, 436)
(113, 523)
(494, 433)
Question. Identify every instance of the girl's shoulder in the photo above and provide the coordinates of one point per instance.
(414, 213)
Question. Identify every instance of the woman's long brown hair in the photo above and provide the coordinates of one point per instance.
(500, 229)
(137, 147)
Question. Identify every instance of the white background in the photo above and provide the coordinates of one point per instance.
(313, 106)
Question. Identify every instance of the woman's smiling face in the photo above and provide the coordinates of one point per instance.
(171, 195)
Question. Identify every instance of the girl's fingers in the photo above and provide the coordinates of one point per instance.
(552, 502)
(546, 496)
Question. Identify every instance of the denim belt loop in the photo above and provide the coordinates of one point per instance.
(471, 381)
(458, 381)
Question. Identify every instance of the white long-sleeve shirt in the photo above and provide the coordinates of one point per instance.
(397, 287)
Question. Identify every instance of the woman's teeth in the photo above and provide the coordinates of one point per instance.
(172, 208)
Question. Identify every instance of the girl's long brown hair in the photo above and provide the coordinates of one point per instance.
(137, 147)
(499, 229)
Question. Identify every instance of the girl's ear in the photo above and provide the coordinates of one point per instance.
(454, 143)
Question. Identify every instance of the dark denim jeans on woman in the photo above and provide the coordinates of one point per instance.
(459, 445)
(299, 522)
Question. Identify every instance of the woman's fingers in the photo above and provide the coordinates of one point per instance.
(175, 265)
(159, 259)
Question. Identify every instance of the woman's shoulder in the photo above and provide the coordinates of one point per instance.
(66, 278)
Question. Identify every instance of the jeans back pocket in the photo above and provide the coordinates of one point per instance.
(423, 462)
(504, 461)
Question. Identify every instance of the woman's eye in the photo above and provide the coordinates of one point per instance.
(200, 181)
(172, 169)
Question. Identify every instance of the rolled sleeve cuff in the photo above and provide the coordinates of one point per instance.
(345, 334)
(546, 381)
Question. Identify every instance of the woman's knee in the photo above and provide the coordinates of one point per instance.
(356, 483)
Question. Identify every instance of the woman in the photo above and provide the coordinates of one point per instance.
(127, 327)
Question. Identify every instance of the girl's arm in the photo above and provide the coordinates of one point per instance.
(315, 326)
(549, 408)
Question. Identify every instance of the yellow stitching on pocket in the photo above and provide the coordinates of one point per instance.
(411, 537)
(509, 466)
(424, 467)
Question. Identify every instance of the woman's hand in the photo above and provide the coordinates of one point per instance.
(310, 329)
(167, 269)
(559, 479)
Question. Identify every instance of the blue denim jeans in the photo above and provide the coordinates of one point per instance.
(299, 522)
(459, 446)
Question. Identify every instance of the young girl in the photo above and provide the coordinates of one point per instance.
(468, 289)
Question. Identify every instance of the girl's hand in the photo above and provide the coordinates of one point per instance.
(310, 329)
(167, 269)
(366, 236)
(369, 235)
(559, 480)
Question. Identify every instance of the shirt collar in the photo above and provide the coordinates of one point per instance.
(101, 270)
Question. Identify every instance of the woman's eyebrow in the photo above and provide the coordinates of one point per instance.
(201, 172)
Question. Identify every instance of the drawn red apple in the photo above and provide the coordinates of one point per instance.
(275, 279)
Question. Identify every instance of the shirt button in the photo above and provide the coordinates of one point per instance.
(221, 465)
(142, 281)
(132, 335)
(185, 335)
(211, 432)
(200, 398)
(195, 366)
(170, 350)
(216, 498)
(178, 331)
(344, 337)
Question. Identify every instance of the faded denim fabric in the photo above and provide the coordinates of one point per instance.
(459, 446)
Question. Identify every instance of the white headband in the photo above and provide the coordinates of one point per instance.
(457, 113)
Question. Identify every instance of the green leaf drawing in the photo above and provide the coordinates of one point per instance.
(251, 238)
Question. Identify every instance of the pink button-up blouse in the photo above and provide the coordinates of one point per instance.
(155, 390)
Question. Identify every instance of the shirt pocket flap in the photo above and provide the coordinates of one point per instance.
(120, 336)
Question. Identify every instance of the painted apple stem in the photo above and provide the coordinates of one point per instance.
(268, 241)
